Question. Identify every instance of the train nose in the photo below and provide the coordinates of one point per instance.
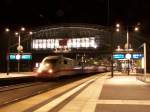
(39, 71)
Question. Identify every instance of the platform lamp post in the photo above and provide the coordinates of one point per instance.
(7, 30)
(145, 66)
(30, 33)
(111, 30)
(112, 60)
(128, 55)
(20, 47)
(31, 45)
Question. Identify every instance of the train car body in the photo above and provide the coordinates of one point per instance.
(56, 66)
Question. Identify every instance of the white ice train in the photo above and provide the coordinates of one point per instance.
(55, 66)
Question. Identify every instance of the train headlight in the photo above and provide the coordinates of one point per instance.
(50, 71)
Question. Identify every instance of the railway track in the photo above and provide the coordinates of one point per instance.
(18, 86)
(14, 93)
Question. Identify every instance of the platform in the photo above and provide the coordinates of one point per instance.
(96, 94)
(16, 74)
(117, 94)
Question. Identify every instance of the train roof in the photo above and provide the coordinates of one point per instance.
(56, 57)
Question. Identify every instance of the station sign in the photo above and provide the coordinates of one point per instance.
(12, 57)
(137, 56)
(120, 56)
(20, 56)
(128, 56)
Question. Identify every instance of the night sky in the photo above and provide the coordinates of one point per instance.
(32, 13)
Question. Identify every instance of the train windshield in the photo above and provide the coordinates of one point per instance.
(52, 61)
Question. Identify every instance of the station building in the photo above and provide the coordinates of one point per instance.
(74, 41)
(77, 41)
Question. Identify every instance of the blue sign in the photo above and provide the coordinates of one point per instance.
(12, 57)
(137, 56)
(23, 56)
(133, 56)
(118, 56)
(26, 57)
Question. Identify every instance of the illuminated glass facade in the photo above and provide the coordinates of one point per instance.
(89, 42)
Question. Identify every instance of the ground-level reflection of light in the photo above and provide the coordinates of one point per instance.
(123, 80)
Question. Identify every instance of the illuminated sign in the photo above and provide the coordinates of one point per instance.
(137, 56)
(68, 43)
(118, 56)
(23, 56)
(18, 57)
(26, 57)
(12, 57)
(128, 56)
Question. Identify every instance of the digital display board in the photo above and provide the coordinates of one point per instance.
(87, 42)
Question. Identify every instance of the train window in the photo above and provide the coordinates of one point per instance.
(53, 61)
(65, 62)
